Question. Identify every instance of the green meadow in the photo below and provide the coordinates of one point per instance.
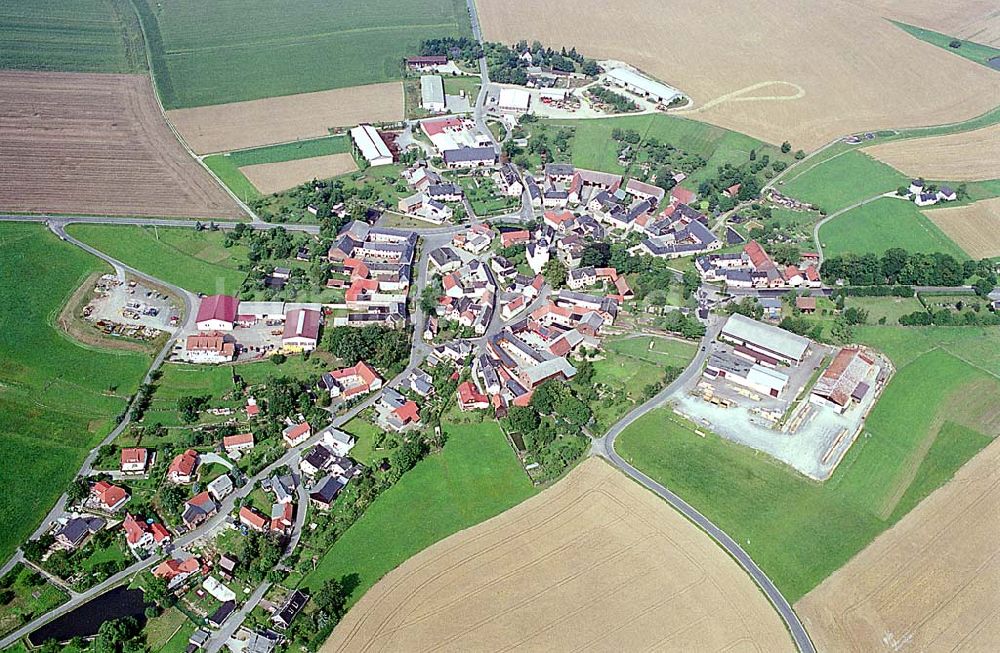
(94, 36)
(58, 398)
(193, 260)
(885, 223)
(474, 477)
(935, 414)
(229, 50)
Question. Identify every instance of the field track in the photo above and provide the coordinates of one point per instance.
(845, 59)
(595, 562)
(93, 143)
(238, 125)
(965, 156)
(927, 584)
(974, 227)
(275, 177)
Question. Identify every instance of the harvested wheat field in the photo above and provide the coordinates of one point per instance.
(974, 227)
(275, 177)
(595, 562)
(966, 156)
(806, 72)
(92, 143)
(930, 583)
(239, 125)
(972, 20)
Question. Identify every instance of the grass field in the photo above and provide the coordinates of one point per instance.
(969, 49)
(29, 598)
(842, 180)
(592, 145)
(57, 398)
(934, 415)
(882, 224)
(193, 260)
(228, 51)
(96, 36)
(891, 308)
(476, 476)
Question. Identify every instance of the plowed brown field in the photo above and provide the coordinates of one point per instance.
(778, 70)
(274, 177)
(974, 227)
(966, 156)
(927, 584)
(90, 143)
(239, 125)
(596, 562)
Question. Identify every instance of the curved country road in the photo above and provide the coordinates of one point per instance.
(605, 447)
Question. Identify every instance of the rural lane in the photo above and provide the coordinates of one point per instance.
(605, 448)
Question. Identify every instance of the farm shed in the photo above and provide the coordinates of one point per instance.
(642, 85)
(371, 146)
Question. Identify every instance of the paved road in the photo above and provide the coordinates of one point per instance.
(605, 447)
(235, 620)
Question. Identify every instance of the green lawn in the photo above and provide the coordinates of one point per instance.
(97, 36)
(664, 351)
(476, 476)
(934, 415)
(468, 83)
(32, 596)
(57, 398)
(193, 260)
(364, 439)
(230, 50)
(969, 49)
(891, 308)
(882, 224)
(843, 180)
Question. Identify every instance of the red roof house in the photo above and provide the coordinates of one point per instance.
(239, 442)
(253, 519)
(111, 497)
(182, 467)
(134, 459)
(469, 397)
(682, 195)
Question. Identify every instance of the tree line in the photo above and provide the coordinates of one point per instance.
(897, 266)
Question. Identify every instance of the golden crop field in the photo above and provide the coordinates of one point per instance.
(806, 72)
(974, 227)
(972, 20)
(966, 156)
(239, 125)
(596, 562)
(927, 584)
(275, 177)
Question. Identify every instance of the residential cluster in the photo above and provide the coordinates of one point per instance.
(754, 268)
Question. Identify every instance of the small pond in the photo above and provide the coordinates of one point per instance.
(84, 620)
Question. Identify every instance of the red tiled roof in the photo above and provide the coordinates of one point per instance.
(252, 518)
(558, 218)
(134, 529)
(682, 195)
(296, 431)
(184, 463)
(134, 455)
(432, 127)
(237, 440)
(200, 499)
(408, 412)
(468, 394)
(509, 238)
(160, 532)
(218, 307)
(109, 494)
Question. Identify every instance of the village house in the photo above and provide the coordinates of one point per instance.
(236, 444)
(181, 470)
(326, 490)
(210, 347)
(394, 412)
(198, 509)
(470, 398)
(109, 497)
(296, 434)
(176, 571)
(134, 460)
(221, 487)
(252, 519)
(350, 382)
(143, 536)
(76, 530)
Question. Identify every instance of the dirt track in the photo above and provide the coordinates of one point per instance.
(274, 177)
(89, 143)
(849, 62)
(595, 562)
(239, 125)
(975, 227)
(966, 156)
(927, 584)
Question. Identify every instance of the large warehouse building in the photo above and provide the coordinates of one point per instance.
(432, 93)
(639, 84)
(371, 146)
(765, 343)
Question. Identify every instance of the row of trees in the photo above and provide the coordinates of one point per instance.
(899, 267)
(616, 101)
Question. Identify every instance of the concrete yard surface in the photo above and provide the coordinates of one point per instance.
(595, 562)
(927, 584)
